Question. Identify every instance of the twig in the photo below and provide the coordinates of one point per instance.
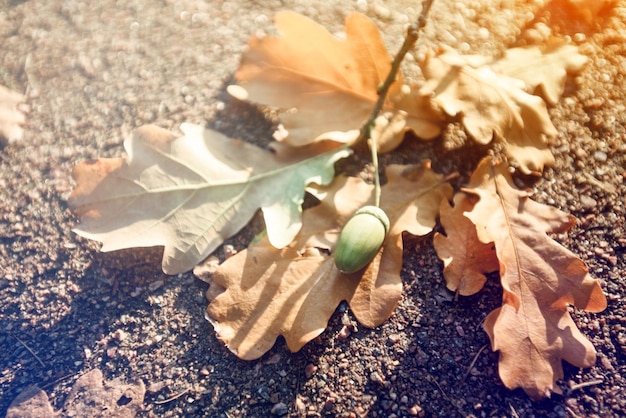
(571, 412)
(374, 149)
(607, 187)
(60, 379)
(173, 398)
(514, 413)
(412, 34)
(471, 366)
(585, 384)
(441, 390)
(30, 351)
(460, 411)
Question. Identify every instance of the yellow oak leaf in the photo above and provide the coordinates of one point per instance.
(545, 69)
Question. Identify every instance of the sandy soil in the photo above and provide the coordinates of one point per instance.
(93, 71)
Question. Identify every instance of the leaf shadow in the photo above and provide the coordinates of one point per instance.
(243, 120)
(294, 297)
(217, 369)
(54, 353)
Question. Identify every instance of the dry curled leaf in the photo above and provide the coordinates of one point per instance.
(328, 85)
(192, 192)
(466, 260)
(491, 105)
(90, 396)
(271, 292)
(294, 291)
(31, 402)
(533, 329)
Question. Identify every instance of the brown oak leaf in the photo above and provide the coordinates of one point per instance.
(533, 329)
(90, 396)
(294, 291)
(328, 85)
(466, 260)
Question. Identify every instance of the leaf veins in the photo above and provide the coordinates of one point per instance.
(494, 97)
(293, 292)
(329, 84)
(192, 192)
(533, 329)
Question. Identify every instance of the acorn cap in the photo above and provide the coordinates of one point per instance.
(378, 213)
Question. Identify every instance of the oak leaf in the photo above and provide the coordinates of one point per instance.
(466, 260)
(545, 69)
(491, 105)
(190, 193)
(90, 395)
(533, 329)
(293, 291)
(328, 85)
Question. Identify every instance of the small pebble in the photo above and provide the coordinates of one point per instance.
(279, 409)
(588, 203)
(460, 330)
(229, 251)
(416, 411)
(300, 406)
(376, 377)
(310, 370)
(344, 333)
(600, 156)
(156, 285)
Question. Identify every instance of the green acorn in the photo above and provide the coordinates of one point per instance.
(361, 238)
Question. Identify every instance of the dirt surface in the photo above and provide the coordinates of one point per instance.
(93, 71)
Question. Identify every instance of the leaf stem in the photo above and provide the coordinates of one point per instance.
(374, 149)
(412, 35)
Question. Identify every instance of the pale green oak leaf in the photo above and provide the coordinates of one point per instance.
(190, 193)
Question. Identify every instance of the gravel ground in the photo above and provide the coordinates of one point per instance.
(93, 71)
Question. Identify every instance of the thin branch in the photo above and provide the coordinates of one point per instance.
(471, 366)
(172, 398)
(450, 400)
(60, 379)
(412, 35)
(586, 384)
(30, 351)
(374, 149)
